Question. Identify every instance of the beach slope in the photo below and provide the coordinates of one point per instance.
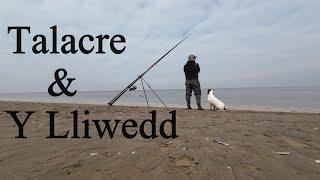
(211, 145)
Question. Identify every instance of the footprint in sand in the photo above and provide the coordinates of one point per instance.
(184, 162)
(167, 146)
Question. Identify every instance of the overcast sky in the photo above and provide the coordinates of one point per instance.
(239, 43)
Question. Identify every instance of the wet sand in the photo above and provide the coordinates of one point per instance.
(253, 139)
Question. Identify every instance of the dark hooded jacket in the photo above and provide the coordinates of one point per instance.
(191, 70)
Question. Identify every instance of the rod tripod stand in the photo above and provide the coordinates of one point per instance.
(154, 92)
(140, 77)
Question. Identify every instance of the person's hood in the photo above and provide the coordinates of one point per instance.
(190, 63)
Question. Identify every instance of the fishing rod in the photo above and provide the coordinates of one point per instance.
(145, 72)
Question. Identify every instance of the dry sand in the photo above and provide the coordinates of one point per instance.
(253, 139)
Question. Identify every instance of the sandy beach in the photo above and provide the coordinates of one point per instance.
(211, 145)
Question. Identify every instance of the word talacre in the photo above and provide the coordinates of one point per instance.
(66, 44)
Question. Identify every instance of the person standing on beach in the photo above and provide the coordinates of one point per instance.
(191, 71)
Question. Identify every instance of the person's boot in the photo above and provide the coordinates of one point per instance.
(188, 99)
(198, 98)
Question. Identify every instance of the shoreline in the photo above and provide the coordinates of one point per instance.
(142, 105)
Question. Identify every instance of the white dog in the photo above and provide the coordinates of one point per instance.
(215, 103)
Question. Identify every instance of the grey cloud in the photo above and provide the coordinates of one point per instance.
(238, 43)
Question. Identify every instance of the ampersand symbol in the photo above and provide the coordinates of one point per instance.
(58, 80)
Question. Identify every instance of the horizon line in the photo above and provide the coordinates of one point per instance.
(253, 87)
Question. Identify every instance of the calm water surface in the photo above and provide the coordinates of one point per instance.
(301, 99)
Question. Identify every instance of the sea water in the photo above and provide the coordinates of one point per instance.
(299, 99)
